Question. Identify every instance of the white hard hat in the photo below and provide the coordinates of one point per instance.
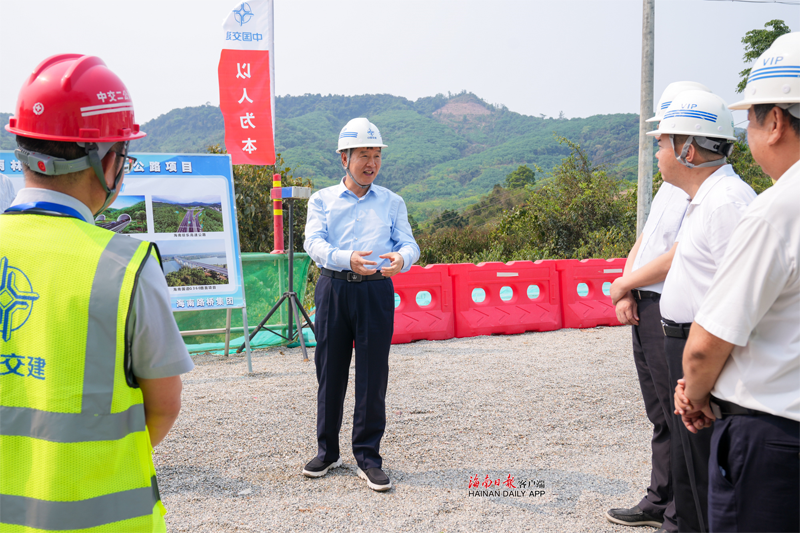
(775, 77)
(698, 114)
(672, 90)
(359, 133)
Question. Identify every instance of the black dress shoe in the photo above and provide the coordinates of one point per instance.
(632, 517)
(318, 468)
(376, 479)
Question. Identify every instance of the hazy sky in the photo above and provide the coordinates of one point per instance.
(579, 57)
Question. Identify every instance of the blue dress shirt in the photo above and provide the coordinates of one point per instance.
(339, 222)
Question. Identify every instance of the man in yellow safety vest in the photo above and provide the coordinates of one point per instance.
(90, 355)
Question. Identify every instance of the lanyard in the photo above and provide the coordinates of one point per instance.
(46, 208)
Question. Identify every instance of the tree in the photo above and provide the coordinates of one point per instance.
(141, 216)
(449, 219)
(520, 178)
(756, 43)
(582, 212)
(252, 185)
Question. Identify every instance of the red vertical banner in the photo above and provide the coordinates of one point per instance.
(245, 102)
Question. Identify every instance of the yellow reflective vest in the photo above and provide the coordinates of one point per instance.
(75, 453)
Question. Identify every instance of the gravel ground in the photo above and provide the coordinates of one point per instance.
(561, 407)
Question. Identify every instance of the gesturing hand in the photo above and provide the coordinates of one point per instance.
(359, 265)
(395, 266)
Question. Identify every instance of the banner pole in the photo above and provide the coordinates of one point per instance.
(247, 341)
(228, 332)
(272, 62)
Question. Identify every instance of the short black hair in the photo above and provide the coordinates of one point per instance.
(63, 150)
(762, 110)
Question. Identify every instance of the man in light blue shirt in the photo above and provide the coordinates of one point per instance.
(359, 236)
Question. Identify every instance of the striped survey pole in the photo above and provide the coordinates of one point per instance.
(277, 208)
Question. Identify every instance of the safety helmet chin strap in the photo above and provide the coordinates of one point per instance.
(55, 166)
(685, 150)
(95, 161)
(347, 169)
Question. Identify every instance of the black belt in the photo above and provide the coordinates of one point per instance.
(351, 276)
(723, 409)
(673, 329)
(645, 295)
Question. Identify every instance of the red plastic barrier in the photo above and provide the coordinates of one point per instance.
(595, 308)
(517, 314)
(433, 321)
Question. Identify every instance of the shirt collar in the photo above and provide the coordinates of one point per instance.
(792, 172)
(29, 195)
(713, 179)
(342, 189)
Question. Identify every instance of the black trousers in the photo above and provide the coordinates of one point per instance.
(346, 313)
(754, 474)
(651, 366)
(690, 454)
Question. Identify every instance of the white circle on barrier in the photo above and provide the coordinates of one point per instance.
(423, 298)
(533, 291)
(506, 293)
(607, 288)
(478, 295)
(396, 300)
(583, 290)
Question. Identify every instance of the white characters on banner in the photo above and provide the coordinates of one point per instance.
(245, 97)
(243, 70)
(249, 147)
(247, 121)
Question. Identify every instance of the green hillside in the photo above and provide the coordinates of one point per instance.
(444, 151)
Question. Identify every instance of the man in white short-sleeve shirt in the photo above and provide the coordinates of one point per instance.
(694, 138)
(636, 296)
(744, 347)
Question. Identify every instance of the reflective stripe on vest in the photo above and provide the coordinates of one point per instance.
(59, 516)
(120, 258)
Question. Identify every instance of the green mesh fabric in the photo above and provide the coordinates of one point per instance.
(266, 278)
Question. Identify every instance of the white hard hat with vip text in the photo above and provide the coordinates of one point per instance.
(699, 114)
(775, 76)
(672, 90)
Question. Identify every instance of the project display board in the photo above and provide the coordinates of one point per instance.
(186, 205)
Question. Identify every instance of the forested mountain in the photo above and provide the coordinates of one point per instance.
(444, 151)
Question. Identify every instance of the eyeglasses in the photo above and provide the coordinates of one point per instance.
(129, 161)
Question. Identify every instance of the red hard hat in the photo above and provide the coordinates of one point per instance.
(74, 98)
